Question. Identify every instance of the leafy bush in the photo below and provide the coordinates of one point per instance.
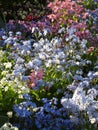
(90, 4)
(9, 9)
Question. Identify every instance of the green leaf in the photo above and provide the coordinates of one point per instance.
(35, 94)
(3, 120)
(1, 22)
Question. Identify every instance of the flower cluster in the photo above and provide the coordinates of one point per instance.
(36, 78)
(49, 116)
(82, 103)
(23, 112)
(49, 69)
(8, 126)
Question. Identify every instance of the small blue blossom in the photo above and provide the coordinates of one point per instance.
(49, 116)
(16, 125)
(22, 109)
(26, 96)
(21, 112)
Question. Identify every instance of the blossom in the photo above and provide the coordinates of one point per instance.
(22, 110)
(8, 65)
(26, 96)
(52, 117)
(91, 49)
(29, 17)
(39, 74)
(8, 126)
(35, 77)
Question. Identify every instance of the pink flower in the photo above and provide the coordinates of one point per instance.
(39, 74)
(50, 5)
(34, 76)
(91, 49)
(31, 85)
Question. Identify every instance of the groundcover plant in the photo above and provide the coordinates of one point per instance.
(49, 67)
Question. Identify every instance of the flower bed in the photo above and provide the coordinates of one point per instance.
(49, 70)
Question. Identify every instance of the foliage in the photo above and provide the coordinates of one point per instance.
(90, 4)
(20, 9)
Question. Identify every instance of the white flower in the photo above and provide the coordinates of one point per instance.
(71, 51)
(47, 48)
(95, 74)
(96, 67)
(10, 113)
(10, 33)
(25, 89)
(42, 56)
(29, 64)
(79, 98)
(4, 37)
(36, 46)
(64, 101)
(8, 126)
(92, 92)
(93, 120)
(90, 74)
(33, 29)
(8, 65)
(56, 42)
(84, 41)
(59, 67)
(88, 62)
(46, 31)
(57, 61)
(4, 72)
(18, 33)
(48, 63)
(77, 63)
(24, 52)
(78, 57)
(67, 39)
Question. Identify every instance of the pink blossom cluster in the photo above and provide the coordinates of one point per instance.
(69, 13)
(34, 76)
(65, 11)
(90, 49)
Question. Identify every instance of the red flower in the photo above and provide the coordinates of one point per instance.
(29, 17)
